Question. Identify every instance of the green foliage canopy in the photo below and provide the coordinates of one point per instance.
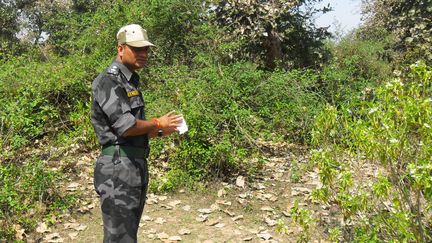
(409, 22)
(276, 33)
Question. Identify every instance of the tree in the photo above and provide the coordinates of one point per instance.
(8, 20)
(9, 24)
(409, 23)
(278, 32)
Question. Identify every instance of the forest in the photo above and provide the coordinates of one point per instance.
(243, 73)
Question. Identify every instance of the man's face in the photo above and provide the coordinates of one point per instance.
(133, 57)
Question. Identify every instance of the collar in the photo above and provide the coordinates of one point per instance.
(123, 69)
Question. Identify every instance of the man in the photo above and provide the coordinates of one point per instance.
(118, 117)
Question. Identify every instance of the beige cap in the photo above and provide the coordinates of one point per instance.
(133, 35)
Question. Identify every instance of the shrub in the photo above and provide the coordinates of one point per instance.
(45, 101)
(211, 99)
(356, 65)
(28, 193)
(288, 102)
(378, 171)
(227, 108)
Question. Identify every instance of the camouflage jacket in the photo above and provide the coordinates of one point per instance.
(116, 104)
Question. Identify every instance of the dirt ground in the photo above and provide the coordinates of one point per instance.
(242, 210)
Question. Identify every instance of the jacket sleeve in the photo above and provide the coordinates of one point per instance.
(113, 100)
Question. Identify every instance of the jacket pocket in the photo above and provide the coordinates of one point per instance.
(136, 102)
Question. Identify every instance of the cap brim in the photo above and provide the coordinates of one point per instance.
(139, 43)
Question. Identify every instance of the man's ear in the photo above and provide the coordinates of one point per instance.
(120, 50)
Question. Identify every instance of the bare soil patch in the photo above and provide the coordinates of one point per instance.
(241, 210)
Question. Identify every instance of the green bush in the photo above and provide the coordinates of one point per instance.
(361, 58)
(288, 102)
(356, 66)
(378, 171)
(27, 193)
(41, 99)
(227, 108)
(214, 106)
(45, 101)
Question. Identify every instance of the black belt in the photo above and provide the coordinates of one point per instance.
(125, 151)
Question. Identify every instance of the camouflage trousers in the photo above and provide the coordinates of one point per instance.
(121, 183)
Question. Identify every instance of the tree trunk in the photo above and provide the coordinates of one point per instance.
(273, 48)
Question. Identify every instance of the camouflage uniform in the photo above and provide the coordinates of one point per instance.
(121, 174)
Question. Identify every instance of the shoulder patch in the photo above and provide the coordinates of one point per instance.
(113, 70)
(133, 93)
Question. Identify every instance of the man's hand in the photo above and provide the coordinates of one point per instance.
(170, 121)
(169, 131)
